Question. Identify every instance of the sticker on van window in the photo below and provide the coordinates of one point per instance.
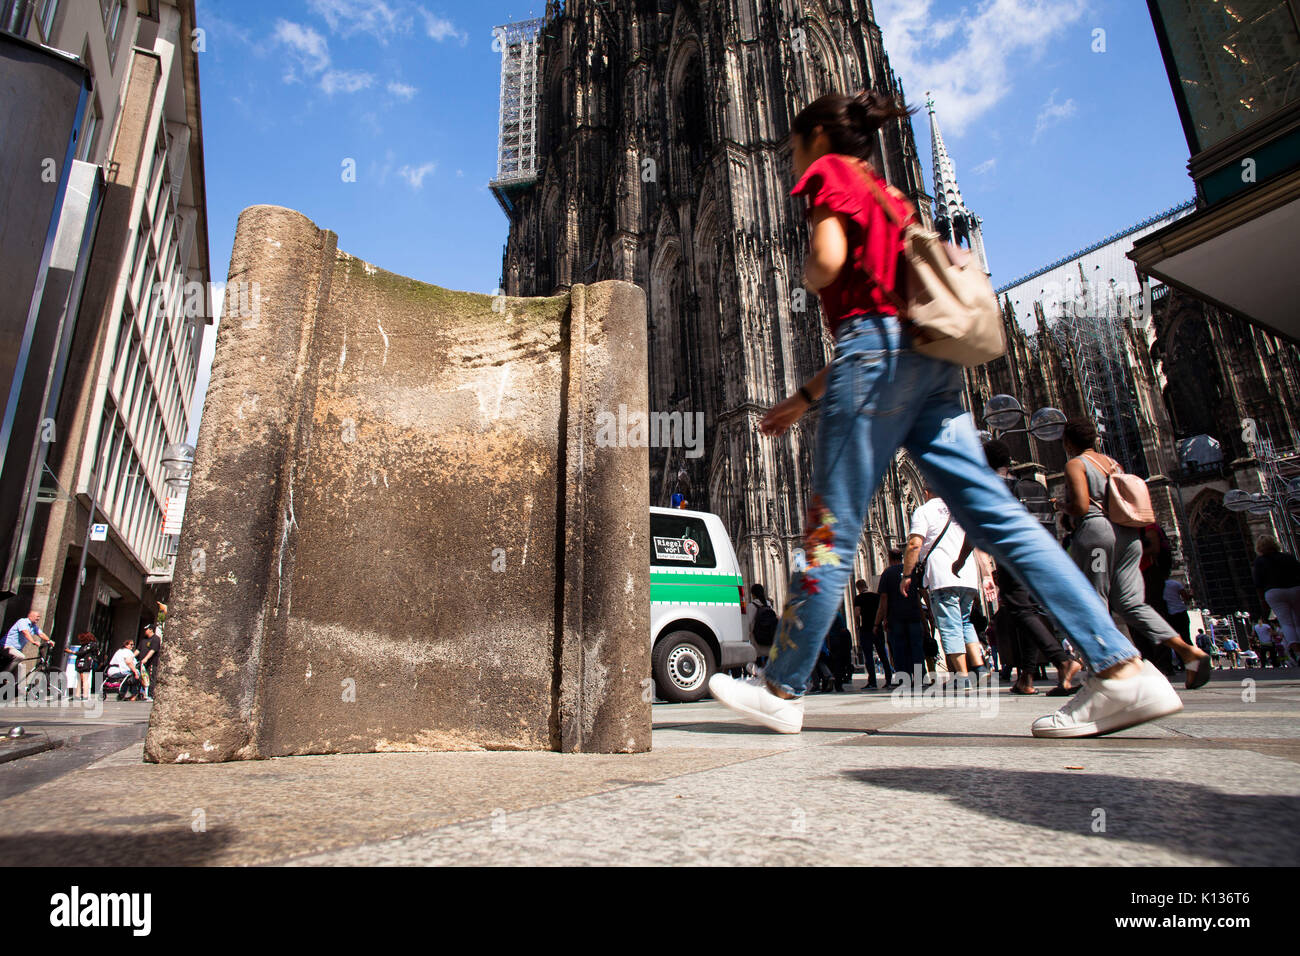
(677, 549)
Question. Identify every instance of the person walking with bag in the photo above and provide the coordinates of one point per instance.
(952, 577)
(901, 616)
(896, 382)
(762, 624)
(1018, 616)
(1110, 553)
(86, 663)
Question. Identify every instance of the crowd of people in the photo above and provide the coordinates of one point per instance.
(130, 671)
(947, 633)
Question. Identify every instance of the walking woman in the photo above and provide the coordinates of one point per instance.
(1110, 555)
(877, 394)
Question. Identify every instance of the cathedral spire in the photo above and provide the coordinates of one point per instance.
(952, 219)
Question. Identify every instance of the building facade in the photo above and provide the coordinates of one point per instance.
(1234, 69)
(662, 158)
(648, 142)
(128, 387)
(1187, 396)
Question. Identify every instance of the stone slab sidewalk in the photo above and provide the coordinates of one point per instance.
(868, 782)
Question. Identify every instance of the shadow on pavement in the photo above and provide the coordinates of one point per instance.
(1237, 829)
(852, 725)
(180, 847)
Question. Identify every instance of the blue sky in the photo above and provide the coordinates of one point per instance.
(1056, 146)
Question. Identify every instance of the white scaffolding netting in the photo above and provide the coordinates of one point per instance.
(517, 147)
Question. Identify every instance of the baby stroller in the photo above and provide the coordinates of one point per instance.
(126, 685)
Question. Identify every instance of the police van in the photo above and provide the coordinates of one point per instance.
(697, 603)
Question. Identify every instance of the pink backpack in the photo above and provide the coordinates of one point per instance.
(1128, 500)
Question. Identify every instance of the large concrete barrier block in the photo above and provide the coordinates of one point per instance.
(401, 533)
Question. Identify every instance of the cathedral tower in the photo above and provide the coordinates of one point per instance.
(953, 221)
(662, 158)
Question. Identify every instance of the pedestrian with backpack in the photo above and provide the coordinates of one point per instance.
(86, 663)
(762, 624)
(1111, 511)
(937, 560)
(906, 313)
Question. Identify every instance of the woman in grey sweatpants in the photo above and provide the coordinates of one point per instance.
(1110, 555)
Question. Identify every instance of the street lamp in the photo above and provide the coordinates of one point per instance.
(1280, 497)
(178, 463)
(1258, 503)
(1236, 500)
(1004, 415)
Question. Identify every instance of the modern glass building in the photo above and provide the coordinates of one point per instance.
(1234, 66)
(95, 538)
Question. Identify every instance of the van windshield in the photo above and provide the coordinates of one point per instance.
(680, 543)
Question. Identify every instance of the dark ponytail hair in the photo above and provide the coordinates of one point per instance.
(850, 122)
(1081, 433)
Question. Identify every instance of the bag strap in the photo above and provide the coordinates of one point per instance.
(1117, 470)
(892, 216)
(865, 171)
(1104, 504)
(936, 541)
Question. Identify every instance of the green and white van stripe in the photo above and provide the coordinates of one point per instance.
(694, 588)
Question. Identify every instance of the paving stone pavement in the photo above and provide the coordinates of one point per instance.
(868, 782)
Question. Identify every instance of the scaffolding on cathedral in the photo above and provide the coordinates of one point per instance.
(1279, 467)
(517, 144)
(1091, 331)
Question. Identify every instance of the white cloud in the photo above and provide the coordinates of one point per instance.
(965, 60)
(985, 167)
(440, 28)
(378, 172)
(345, 81)
(401, 90)
(1053, 113)
(307, 48)
(346, 17)
(414, 175)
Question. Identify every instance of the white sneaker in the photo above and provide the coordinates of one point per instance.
(752, 698)
(1107, 705)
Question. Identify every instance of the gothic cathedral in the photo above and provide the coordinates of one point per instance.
(662, 158)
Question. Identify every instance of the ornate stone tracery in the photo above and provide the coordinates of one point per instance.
(709, 90)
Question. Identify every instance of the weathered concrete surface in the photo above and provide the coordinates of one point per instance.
(865, 783)
(400, 533)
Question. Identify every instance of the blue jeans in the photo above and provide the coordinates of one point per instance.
(952, 607)
(880, 395)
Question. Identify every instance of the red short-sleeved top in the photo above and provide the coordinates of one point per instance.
(836, 182)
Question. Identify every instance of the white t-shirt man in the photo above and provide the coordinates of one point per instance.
(1174, 596)
(1264, 633)
(927, 524)
(121, 662)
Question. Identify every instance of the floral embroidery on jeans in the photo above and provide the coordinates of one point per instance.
(818, 535)
(789, 621)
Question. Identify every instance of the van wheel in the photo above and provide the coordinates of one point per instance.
(683, 664)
